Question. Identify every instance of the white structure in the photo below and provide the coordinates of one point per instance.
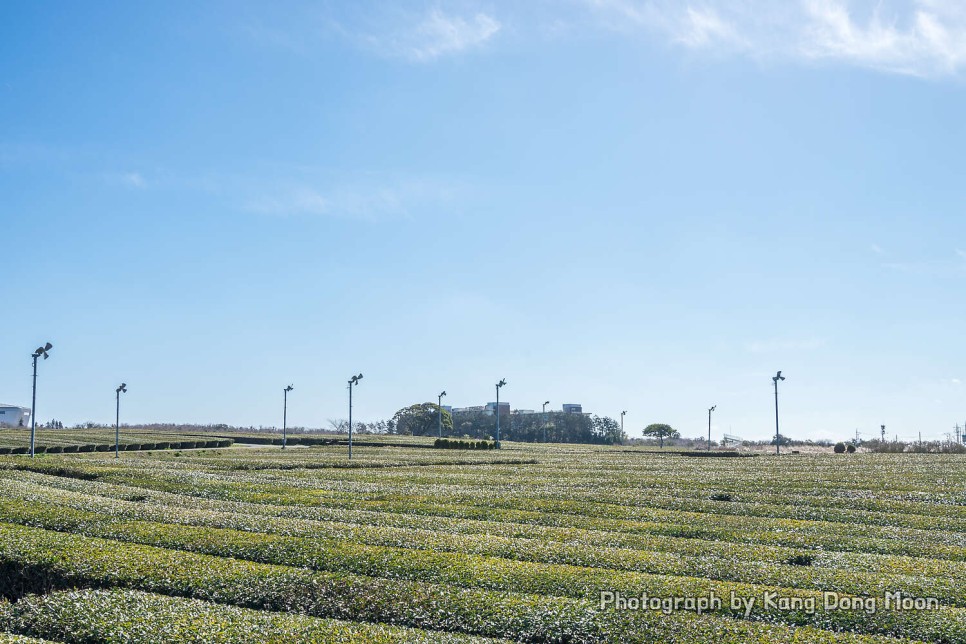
(13, 416)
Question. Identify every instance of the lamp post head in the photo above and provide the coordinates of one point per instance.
(42, 351)
(355, 380)
(624, 413)
(122, 389)
(501, 383)
(778, 377)
(442, 394)
(713, 407)
(289, 388)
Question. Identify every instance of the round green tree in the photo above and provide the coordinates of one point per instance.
(661, 431)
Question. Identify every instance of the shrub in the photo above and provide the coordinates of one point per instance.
(839, 448)
(103, 448)
(79, 448)
(162, 445)
(721, 496)
(850, 449)
(800, 560)
(55, 449)
(5, 450)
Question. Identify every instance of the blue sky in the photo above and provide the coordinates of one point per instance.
(630, 204)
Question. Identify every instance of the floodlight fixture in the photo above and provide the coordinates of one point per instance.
(41, 351)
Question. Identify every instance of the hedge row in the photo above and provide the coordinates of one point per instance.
(453, 443)
(495, 573)
(131, 616)
(38, 561)
(291, 440)
(282, 542)
(129, 447)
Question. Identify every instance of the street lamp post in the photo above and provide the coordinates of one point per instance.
(711, 409)
(498, 386)
(41, 351)
(545, 421)
(623, 413)
(439, 414)
(778, 436)
(117, 419)
(354, 381)
(285, 415)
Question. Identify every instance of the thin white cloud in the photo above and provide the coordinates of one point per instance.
(924, 38)
(705, 27)
(439, 34)
(877, 249)
(361, 201)
(941, 267)
(134, 180)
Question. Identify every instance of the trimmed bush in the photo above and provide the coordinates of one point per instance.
(839, 448)
(55, 449)
(850, 449)
(85, 448)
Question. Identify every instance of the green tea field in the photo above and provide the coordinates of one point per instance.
(531, 543)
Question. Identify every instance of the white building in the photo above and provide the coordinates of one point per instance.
(13, 416)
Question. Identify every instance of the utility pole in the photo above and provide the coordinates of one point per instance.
(498, 385)
(285, 414)
(883, 433)
(439, 414)
(41, 351)
(545, 421)
(117, 418)
(713, 407)
(778, 436)
(352, 381)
